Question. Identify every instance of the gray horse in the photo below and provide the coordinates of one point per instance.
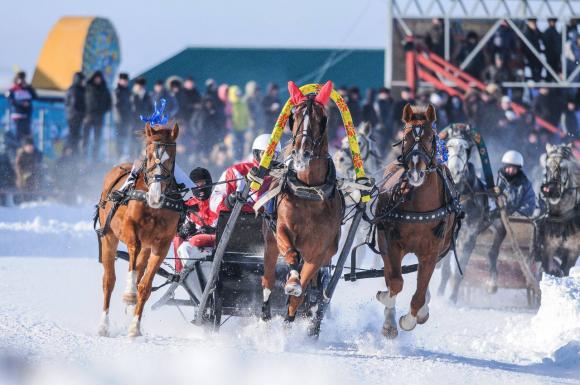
(475, 205)
(558, 240)
(345, 169)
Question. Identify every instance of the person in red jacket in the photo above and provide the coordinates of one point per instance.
(224, 195)
(196, 237)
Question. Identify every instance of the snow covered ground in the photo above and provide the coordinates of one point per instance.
(50, 304)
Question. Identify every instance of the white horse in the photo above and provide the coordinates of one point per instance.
(475, 204)
(345, 169)
(559, 225)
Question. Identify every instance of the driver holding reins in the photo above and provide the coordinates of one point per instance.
(514, 187)
(225, 195)
(196, 236)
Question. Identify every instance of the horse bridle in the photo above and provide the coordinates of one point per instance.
(418, 148)
(468, 151)
(561, 183)
(304, 131)
(159, 149)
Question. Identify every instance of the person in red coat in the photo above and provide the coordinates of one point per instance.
(224, 195)
(196, 237)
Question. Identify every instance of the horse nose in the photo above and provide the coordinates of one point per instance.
(421, 173)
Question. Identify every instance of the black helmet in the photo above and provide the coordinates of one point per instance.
(201, 174)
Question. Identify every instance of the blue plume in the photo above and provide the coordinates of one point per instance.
(441, 154)
(157, 118)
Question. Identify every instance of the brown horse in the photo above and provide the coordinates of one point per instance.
(416, 213)
(144, 225)
(309, 207)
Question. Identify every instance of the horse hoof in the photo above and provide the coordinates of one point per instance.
(135, 328)
(103, 331)
(266, 313)
(104, 325)
(130, 298)
(314, 329)
(390, 332)
(422, 320)
(293, 288)
(491, 287)
(408, 322)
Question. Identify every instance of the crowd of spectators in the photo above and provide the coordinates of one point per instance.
(218, 121)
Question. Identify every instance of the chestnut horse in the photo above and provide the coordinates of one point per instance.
(309, 207)
(146, 226)
(417, 212)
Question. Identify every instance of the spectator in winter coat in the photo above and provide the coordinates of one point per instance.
(534, 36)
(271, 106)
(241, 120)
(175, 100)
(253, 100)
(7, 180)
(548, 106)
(122, 111)
(553, 44)
(497, 73)
(435, 40)
(98, 103)
(476, 66)
(207, 129)
(406, 97)
(516, 190)
(503, 42)
(75, 111)
(368, 110)
(141, 105)
(20, 97)
(353, 103)
(191, 102)
(28, 169)
(385, 115)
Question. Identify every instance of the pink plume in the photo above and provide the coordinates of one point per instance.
(296, 96)
(324, 94)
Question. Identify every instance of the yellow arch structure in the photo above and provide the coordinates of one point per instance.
(65, 51)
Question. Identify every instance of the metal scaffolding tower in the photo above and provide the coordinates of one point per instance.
(511, 11)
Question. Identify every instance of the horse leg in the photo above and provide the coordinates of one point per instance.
(499, 236)
(144, 290)
(445, 275)
(308, 271)
(134, 249)
(464, 253)
(394, 281)
(108, 251)
(292, 258)
(142, 259)
(269, 277)
(419, 313)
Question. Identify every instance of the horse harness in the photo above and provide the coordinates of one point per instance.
(171, 199)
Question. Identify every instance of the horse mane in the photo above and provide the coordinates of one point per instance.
(566, 153)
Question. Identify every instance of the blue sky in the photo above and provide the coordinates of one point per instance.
(151, 31)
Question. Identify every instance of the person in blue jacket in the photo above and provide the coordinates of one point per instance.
(516, 189)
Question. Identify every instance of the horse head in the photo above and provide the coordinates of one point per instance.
(418, 146)
(561, 172)
(160, 150)
(308, 124)
(459, 151)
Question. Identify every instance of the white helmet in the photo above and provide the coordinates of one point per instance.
(261, 144)
(514, 158)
